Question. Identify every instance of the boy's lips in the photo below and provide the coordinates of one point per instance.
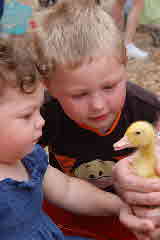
(99, 118)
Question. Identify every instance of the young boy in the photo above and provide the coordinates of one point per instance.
(92, 103)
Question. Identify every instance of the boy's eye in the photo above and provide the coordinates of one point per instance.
(79, 95)
(107, 87)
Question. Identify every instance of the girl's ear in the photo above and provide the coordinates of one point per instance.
(47, 84)
(98, 2)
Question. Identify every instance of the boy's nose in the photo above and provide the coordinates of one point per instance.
(97, 103)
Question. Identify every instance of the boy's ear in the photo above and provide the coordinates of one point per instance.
(45, 82)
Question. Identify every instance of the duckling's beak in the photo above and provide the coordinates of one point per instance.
(122, 143)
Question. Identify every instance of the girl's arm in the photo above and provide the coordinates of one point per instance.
(81, 197)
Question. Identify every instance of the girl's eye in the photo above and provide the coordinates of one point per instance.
(27, 116)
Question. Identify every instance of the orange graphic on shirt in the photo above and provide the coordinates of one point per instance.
(66, 163)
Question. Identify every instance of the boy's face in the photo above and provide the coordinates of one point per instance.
(93, 93)
(20, 123)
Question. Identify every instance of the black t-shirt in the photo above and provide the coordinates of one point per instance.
(85, 153)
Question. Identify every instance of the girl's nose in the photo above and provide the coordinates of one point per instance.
(40, 122)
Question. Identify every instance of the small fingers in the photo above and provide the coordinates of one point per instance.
(124, 176)
(137, 198)
(155, 235)
(135, 223)
(152, 213)
(142, 236)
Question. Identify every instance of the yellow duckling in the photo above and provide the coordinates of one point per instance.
(142, 136)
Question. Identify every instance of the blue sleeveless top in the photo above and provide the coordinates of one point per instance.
(21, 214)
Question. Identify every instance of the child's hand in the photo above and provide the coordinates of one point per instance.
(145, 224)
(134, 189)
(154, 216)
(140, 226)
(139, 191)
(150, 213)
(155, 235)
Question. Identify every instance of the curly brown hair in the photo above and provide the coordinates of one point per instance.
(17, 66)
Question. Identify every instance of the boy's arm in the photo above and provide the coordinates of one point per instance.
(140, 192)
(81, 197)
(135, 189)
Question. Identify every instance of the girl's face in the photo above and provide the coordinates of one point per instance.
(20, 123)
(92, 94)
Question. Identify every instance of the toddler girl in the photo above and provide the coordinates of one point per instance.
(24, 166)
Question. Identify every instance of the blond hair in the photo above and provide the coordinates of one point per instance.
(107, 5)
(72, 30)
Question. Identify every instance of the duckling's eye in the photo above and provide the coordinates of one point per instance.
(137, 132)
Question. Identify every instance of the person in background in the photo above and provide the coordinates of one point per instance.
(1, 8)
(150, 18)
(133, 10)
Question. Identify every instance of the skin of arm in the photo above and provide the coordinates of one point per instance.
(132, 20)
(65, 191)
(81, 197)
(139, 192)
(134, 189)
(118, 14)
